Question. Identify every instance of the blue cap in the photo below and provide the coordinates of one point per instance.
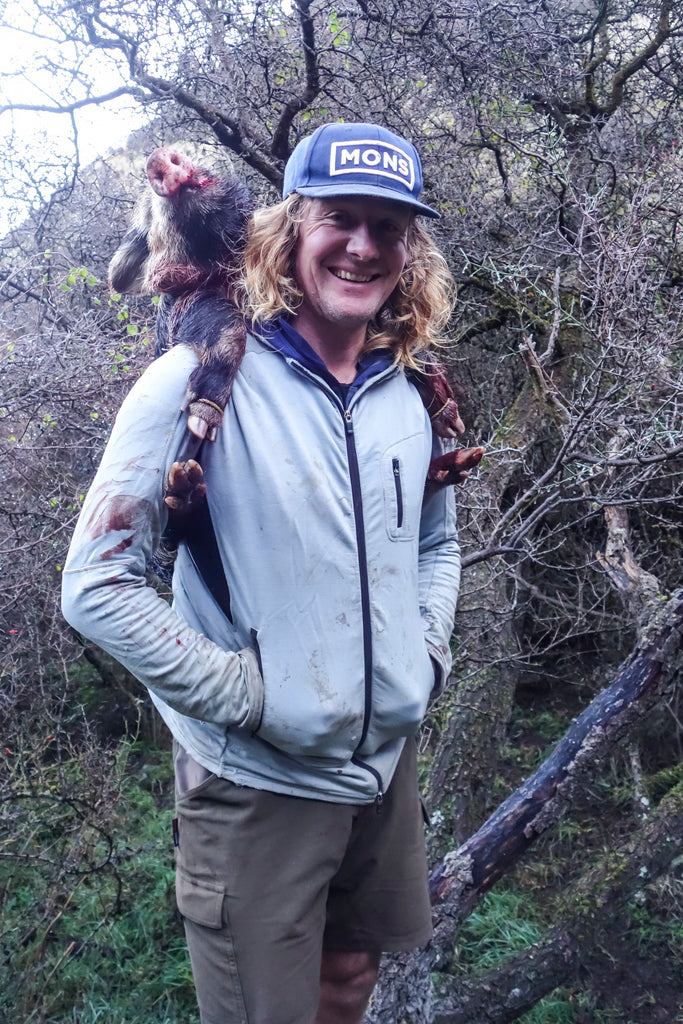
(356, 160)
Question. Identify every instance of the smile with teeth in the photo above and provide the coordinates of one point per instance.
(346, 275)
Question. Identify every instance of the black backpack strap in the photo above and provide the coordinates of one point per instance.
(190, 448)
(200, 538)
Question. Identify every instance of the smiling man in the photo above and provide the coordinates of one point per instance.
(350, 257)
(300, 848)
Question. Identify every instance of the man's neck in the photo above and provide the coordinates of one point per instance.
(338, 347)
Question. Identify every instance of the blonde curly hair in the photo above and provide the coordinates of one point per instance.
(412, 318)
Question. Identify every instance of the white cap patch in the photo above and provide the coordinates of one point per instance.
(368, 156)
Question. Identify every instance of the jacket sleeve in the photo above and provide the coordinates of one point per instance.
(439, 574)
(104, 592)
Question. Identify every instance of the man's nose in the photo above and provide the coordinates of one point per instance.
(362, 242)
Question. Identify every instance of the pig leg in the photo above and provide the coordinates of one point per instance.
(215, 329)
(210, 385)
(128, 265)
(437, 396)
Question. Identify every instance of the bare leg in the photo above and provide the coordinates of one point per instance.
(346, 984)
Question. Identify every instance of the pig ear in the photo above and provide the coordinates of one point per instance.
(128, 269)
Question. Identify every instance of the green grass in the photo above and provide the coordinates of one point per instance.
(502, 924)
(506, 922)
(554, 1009)
(88, 929)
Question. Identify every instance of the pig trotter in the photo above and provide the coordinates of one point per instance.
(453, 467)
(184, 493)
(204, 417)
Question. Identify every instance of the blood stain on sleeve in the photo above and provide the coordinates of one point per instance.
(117, 513)
(119, 548)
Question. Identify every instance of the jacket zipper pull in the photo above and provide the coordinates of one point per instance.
(379, 800)
(396, 465)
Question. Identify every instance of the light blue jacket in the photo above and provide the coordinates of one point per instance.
(343, 577)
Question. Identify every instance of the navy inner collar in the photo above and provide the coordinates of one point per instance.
(290, 343)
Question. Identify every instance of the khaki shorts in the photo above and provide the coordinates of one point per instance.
(266, 881)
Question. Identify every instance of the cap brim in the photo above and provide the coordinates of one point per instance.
(374, 191)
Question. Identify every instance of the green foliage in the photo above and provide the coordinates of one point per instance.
(503, 922)
(662, 781)
(78, 276)
(507, 921)
(87, 923)
(656, 918)
(557, 1008)
(123, 356)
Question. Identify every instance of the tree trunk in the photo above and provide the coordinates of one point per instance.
(465, 759)
(485, 667)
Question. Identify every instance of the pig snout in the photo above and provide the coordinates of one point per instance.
(168, 170)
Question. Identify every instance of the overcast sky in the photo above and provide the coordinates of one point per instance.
(21, 80)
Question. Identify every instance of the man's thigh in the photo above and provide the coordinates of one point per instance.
(379, 898)
(253, 871)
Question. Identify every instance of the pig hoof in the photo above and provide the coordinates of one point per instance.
(204, 411)
(454, 467)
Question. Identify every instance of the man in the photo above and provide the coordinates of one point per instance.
(300, 854)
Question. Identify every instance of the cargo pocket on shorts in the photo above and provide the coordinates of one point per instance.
(199, 903)
(212, 951)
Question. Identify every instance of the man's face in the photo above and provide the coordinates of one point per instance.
(350, 256)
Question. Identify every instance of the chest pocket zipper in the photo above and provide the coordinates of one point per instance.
(396, 467)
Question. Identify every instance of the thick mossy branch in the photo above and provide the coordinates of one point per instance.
(404, 994)
(509, 991)
(543, 798)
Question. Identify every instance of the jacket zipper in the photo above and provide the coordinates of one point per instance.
(354, 473)
(396, 466)
(379, 799)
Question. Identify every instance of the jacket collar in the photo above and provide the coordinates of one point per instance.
(286, 340)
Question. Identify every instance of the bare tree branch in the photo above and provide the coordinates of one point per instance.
(70, 108)
(280, 147)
